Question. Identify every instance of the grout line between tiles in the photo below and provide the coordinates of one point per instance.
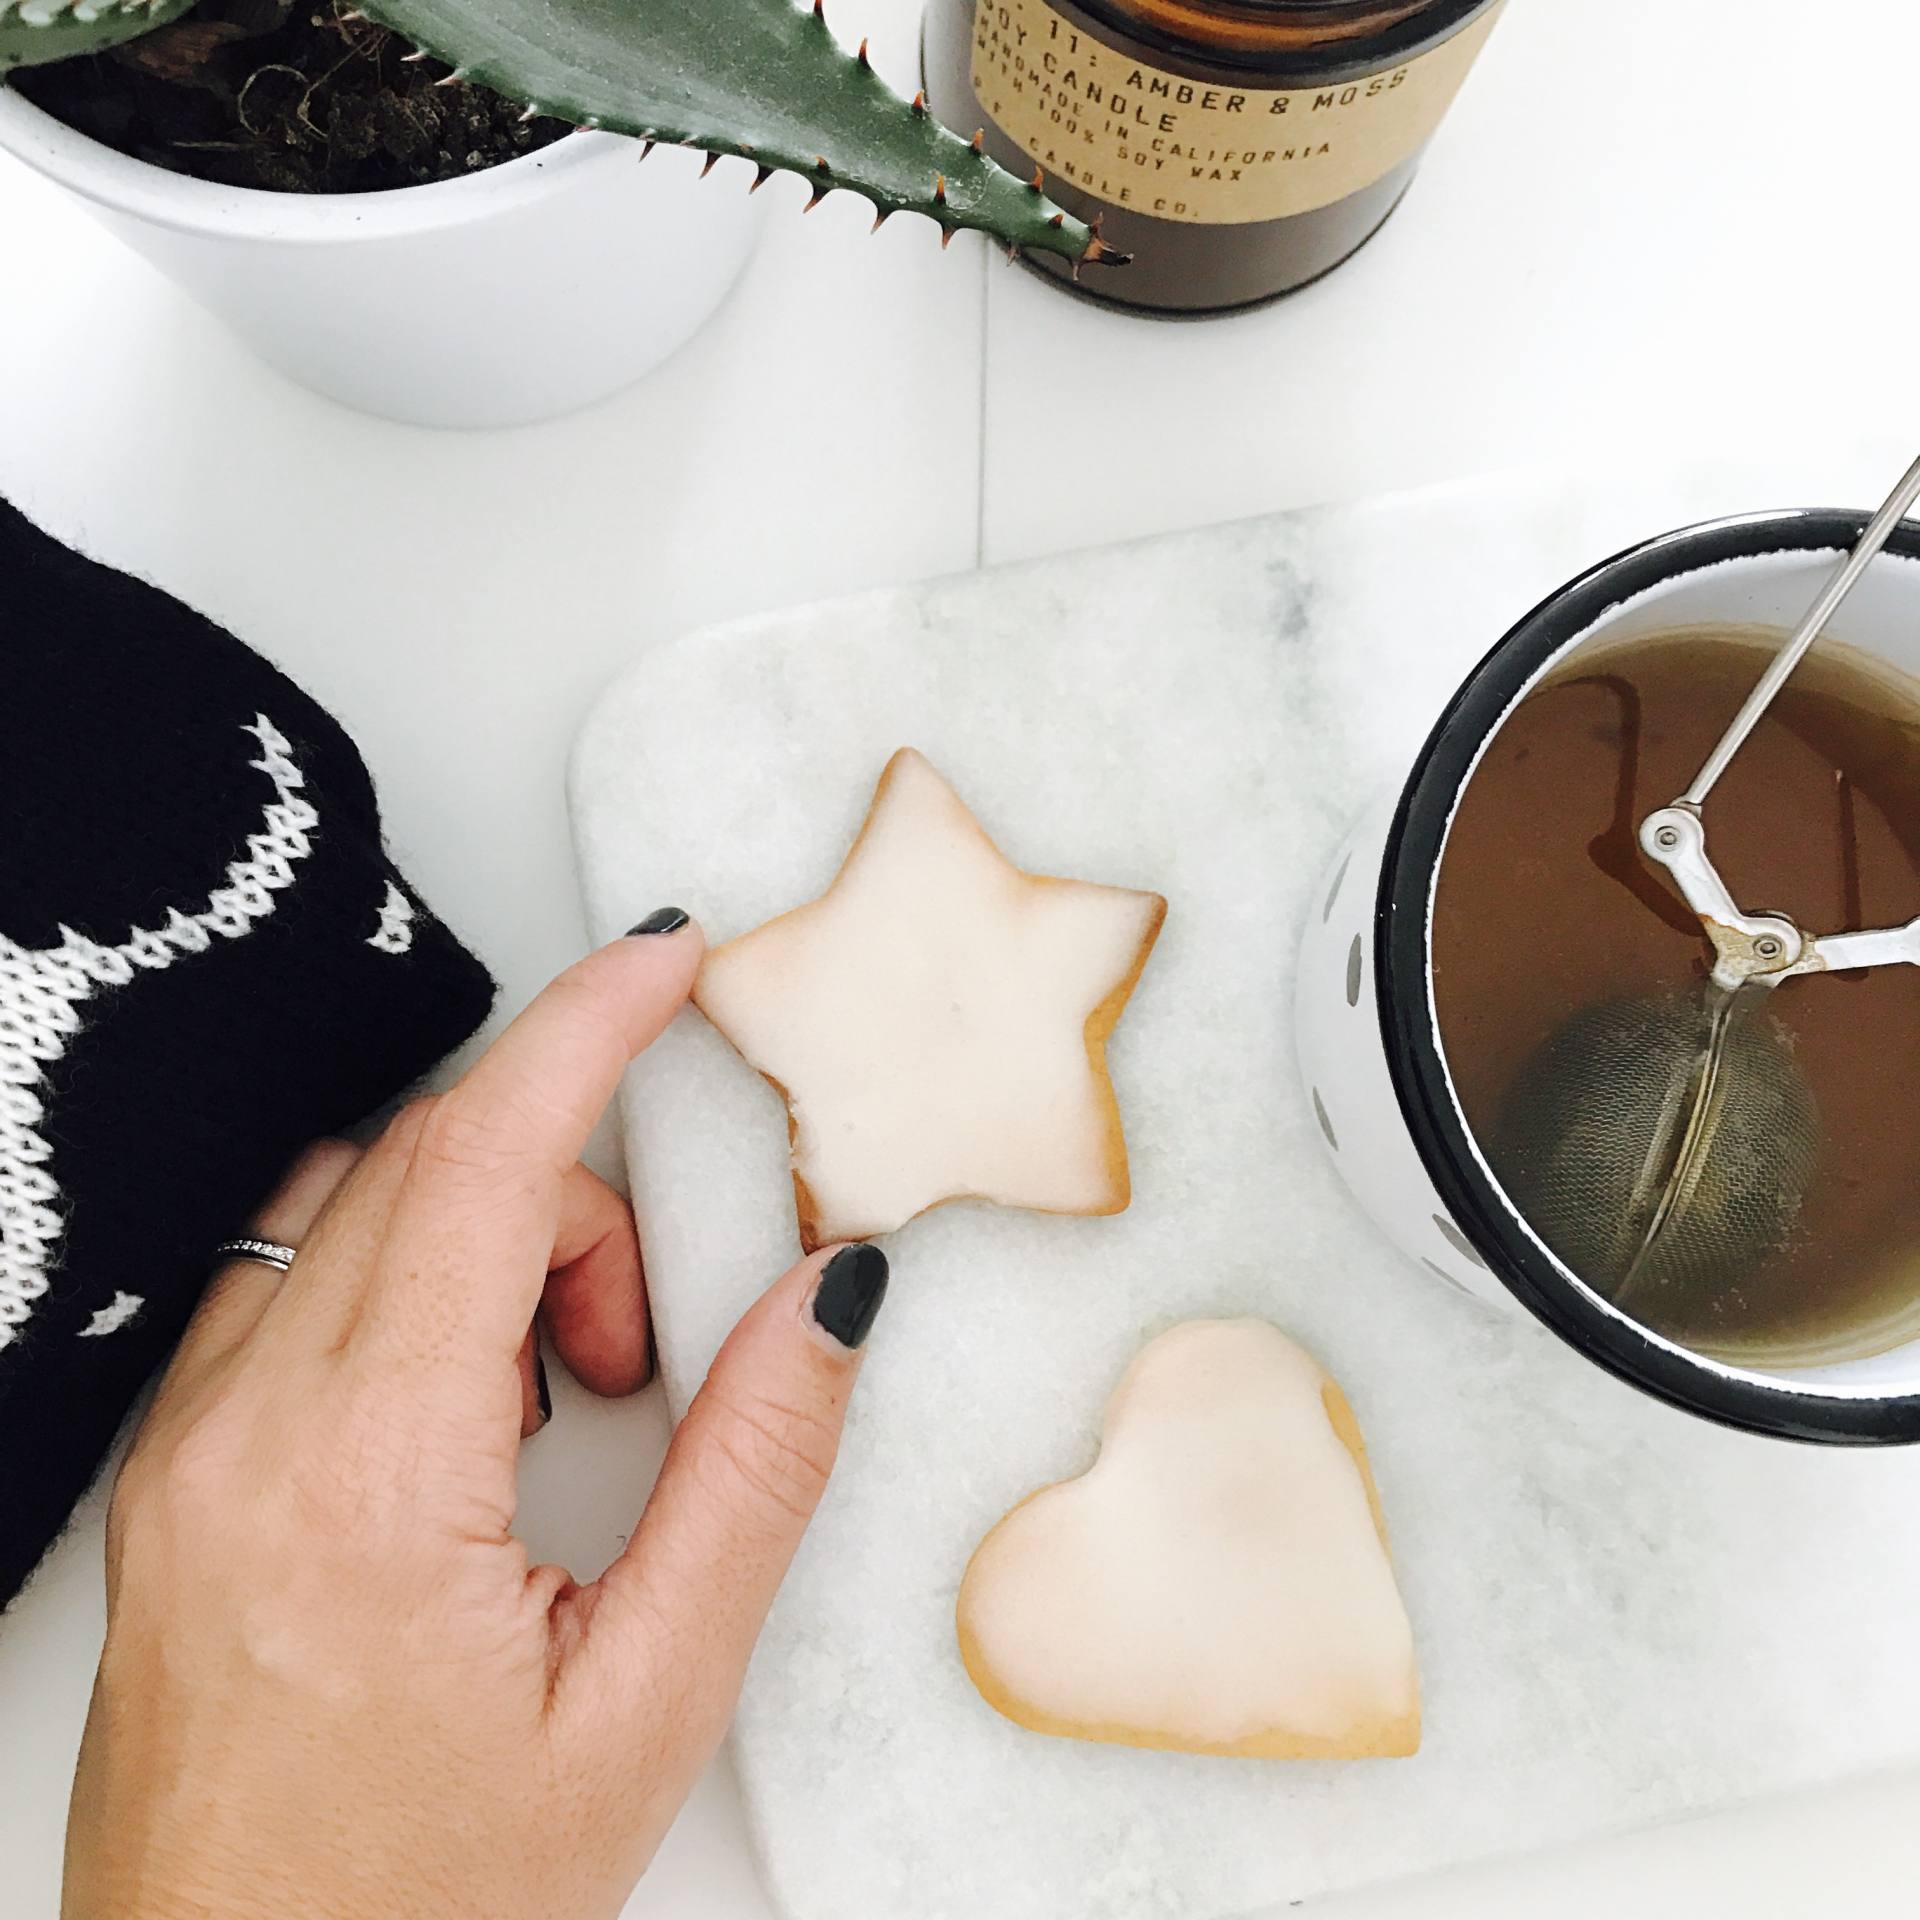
(980, 428)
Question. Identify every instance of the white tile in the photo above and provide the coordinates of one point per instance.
(457, 599)
(1646, 228)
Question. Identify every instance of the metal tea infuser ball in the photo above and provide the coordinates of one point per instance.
(1668, 1141)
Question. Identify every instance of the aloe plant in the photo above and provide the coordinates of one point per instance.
(34, 31)
(763, 79)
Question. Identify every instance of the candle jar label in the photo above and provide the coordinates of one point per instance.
(1203, 151)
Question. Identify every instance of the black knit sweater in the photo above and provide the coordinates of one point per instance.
(206, 959)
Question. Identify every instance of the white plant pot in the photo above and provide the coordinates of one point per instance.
(517, 293)
(1366, 1028)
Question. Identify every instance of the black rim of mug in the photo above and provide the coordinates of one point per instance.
(1753, 1402)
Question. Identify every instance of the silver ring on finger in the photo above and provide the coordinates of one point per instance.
(267, 1253)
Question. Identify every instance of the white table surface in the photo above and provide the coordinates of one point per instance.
(1651, 226)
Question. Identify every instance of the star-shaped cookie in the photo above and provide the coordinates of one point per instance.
(937, 1022)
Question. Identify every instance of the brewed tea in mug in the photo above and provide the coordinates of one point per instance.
(1546, 914)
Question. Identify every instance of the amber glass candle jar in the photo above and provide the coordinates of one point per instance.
(1236, 148)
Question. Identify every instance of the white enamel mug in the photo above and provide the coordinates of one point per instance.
(1369, 1044)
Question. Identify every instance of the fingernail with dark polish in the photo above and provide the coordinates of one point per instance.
(541, 1391)
(847, 1300)
(661, 920)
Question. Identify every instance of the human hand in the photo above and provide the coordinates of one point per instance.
(332, 1684)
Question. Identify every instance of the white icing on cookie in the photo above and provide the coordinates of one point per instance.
(937, 1021)
(1218, 1581)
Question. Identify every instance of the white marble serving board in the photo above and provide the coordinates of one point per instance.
(1622, 1613)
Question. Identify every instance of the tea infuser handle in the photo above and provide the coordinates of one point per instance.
(1882, 947)
(1764, 946)
(1746, 946)
(1871, 540)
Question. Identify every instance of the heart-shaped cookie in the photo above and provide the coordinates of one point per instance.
(1217, 1581)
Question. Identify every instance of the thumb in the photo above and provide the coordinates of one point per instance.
(674, 1619)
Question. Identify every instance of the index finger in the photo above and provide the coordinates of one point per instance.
(537, 1093)
(481, 1196)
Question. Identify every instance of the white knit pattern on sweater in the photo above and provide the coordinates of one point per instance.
(395, 932)
(42, 991)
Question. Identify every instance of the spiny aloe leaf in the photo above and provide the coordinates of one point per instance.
(764, 79)
(36, 31)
